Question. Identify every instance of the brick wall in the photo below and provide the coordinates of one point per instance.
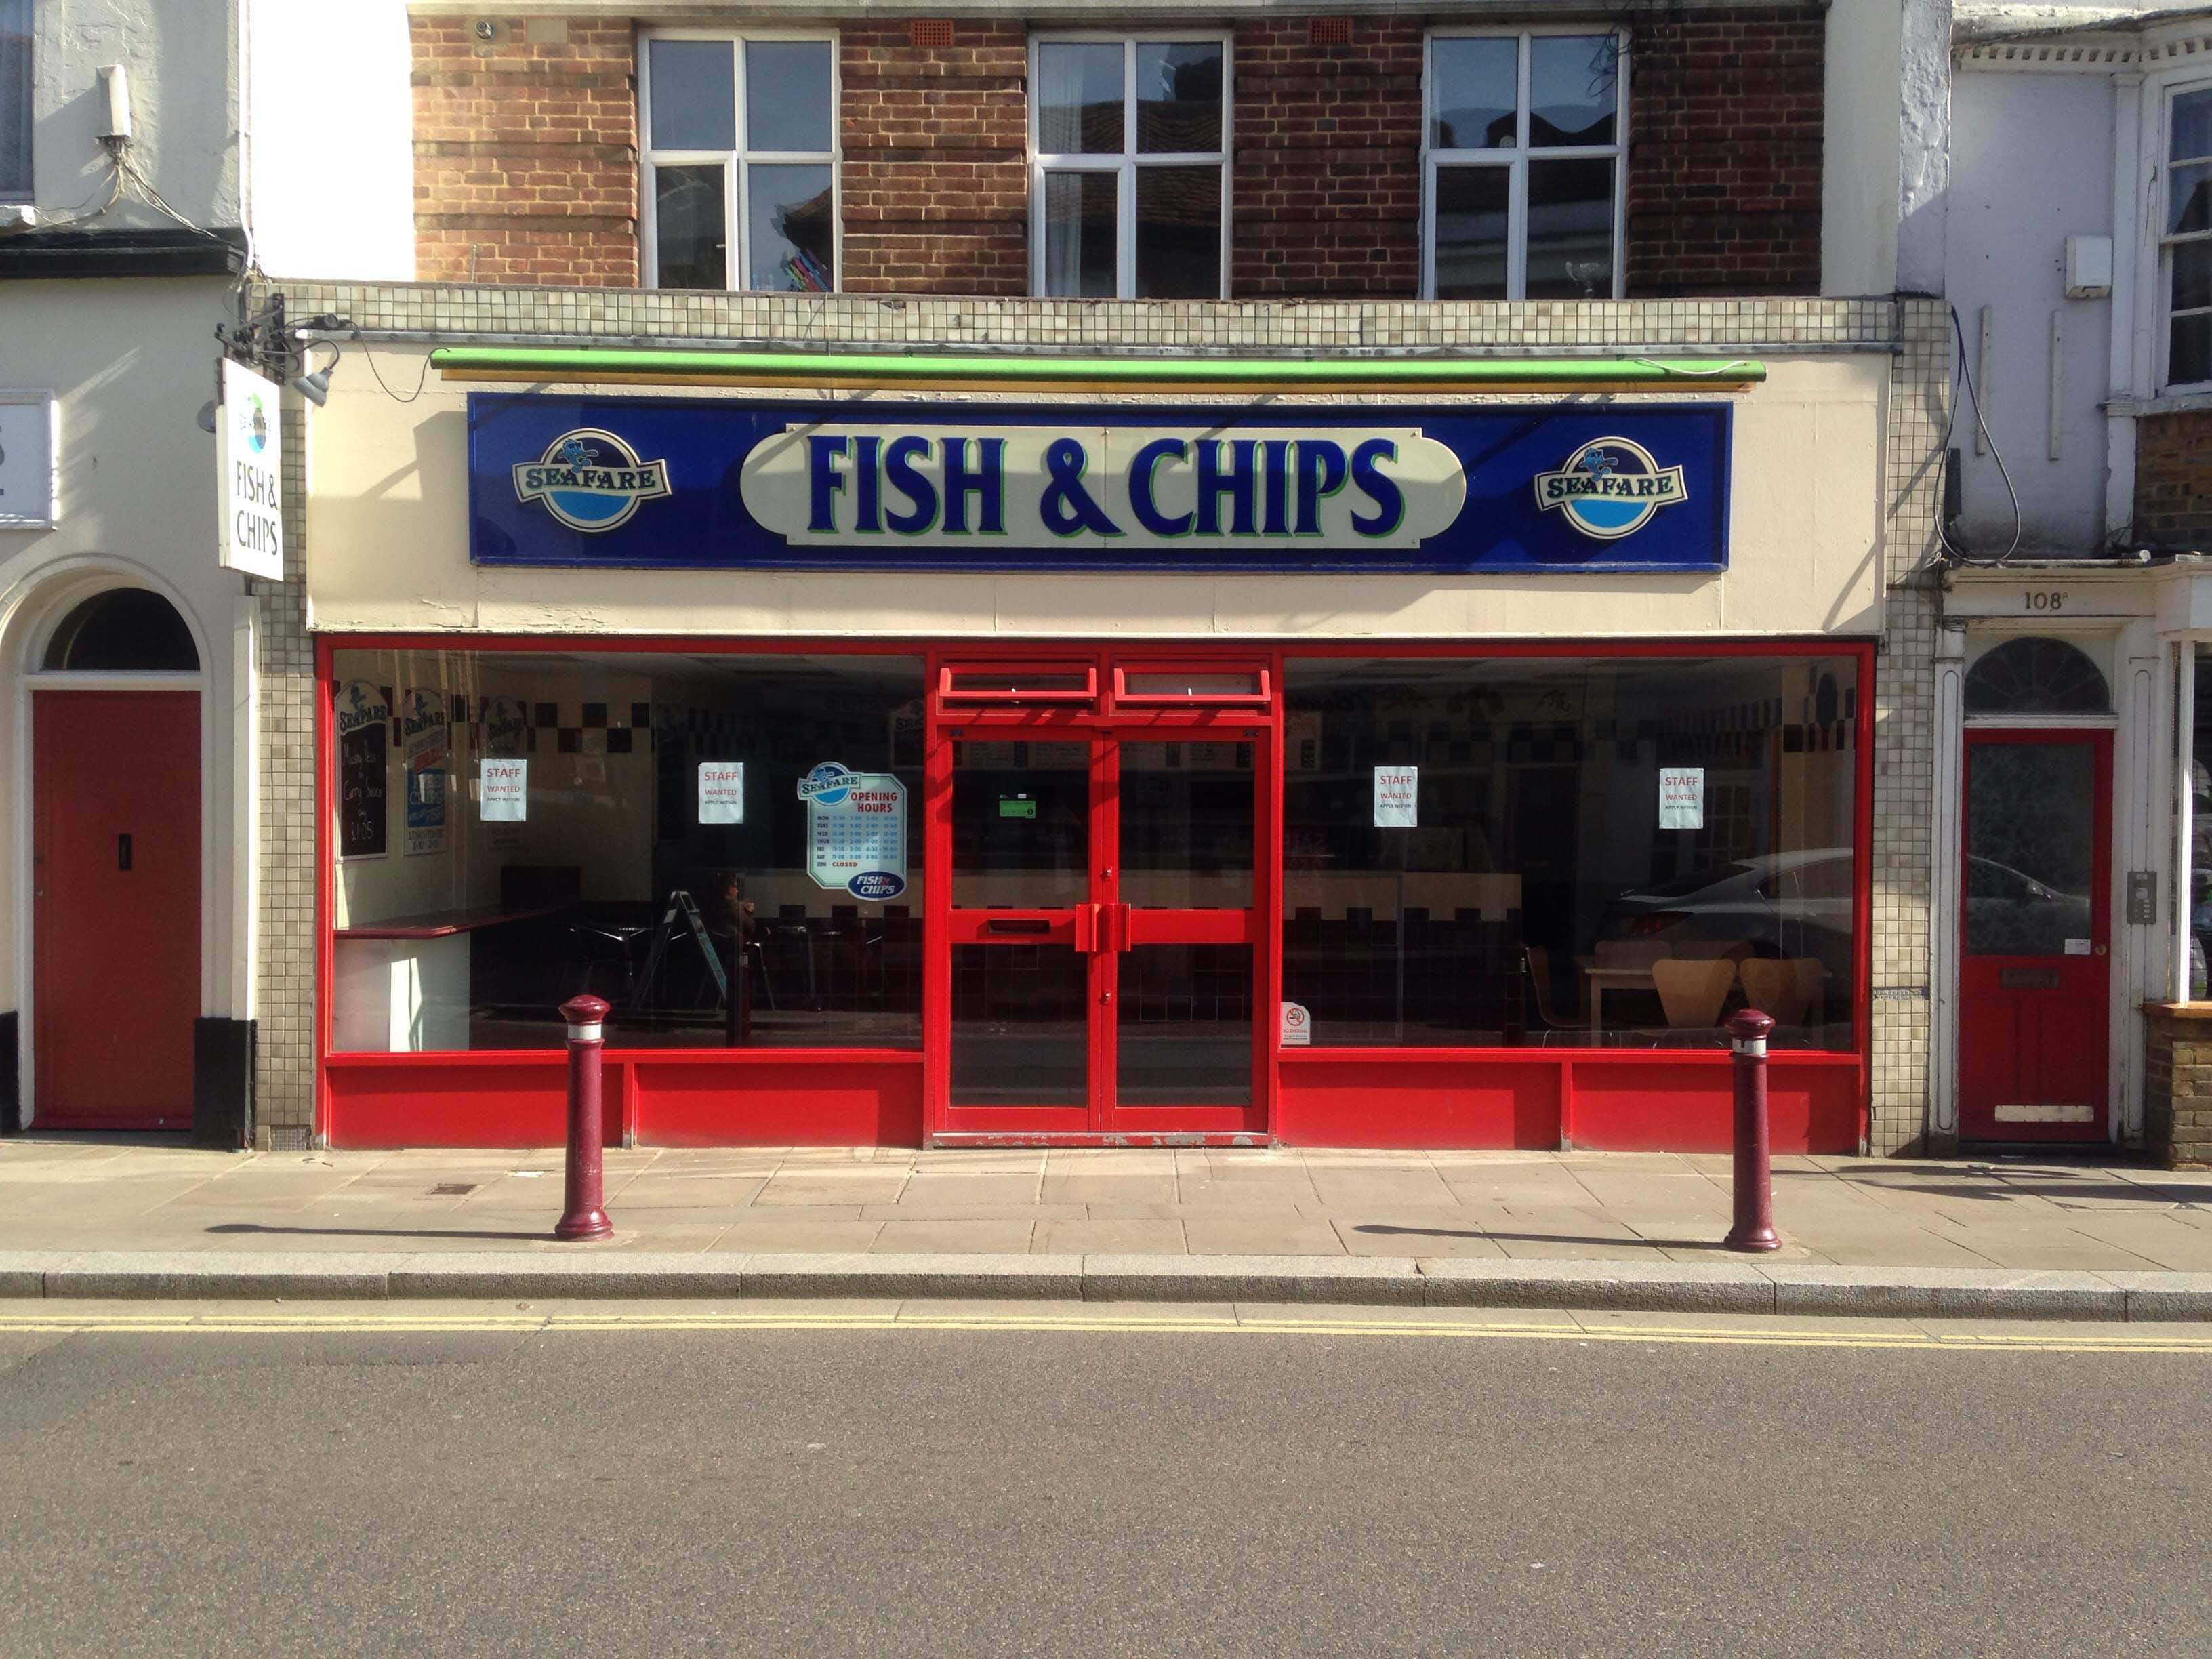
(2177, 1087)
(936, 177)
(1326, 163)
(1724, 152)
(2174, 481)
(526, 151)
(526, 155)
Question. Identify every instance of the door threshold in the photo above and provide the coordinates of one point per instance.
(952, 1139)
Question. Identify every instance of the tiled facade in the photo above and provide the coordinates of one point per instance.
(1913, 333)
(1904, 730)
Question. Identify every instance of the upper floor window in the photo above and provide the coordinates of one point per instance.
(14, 100)
(1129, 193)
(1522, 181)
(740, 186)
(2188, 239)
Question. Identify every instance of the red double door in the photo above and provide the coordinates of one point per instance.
(2035, 964)
(1100, 901)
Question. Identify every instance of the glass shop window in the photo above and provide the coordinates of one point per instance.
(740, 186)
(1569, 852)
(728, 849)
(1130, 185)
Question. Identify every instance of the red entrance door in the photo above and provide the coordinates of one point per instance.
(2035, 964)
(115, 907)
(1100, 949)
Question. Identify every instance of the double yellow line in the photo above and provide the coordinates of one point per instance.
(1793, 1334)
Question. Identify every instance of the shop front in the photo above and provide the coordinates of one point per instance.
(966, 766)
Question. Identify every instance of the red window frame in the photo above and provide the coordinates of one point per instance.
(1375, 1097)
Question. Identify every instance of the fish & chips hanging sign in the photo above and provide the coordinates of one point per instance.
(721, 484)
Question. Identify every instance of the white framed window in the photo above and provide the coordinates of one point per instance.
(2186, 237)
(1129, 169)
(14, 100)
(741, 176)
(1523, 157)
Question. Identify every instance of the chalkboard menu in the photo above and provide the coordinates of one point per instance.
(364, 730)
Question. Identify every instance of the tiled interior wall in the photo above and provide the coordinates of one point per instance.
(1912, 488)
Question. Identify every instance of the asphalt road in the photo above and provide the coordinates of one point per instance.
(1068, 1491)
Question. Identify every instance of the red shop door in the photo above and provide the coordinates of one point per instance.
(1104, 935)
(115, 907)
(2035, 964)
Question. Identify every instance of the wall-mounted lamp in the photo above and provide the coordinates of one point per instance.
(316, 387)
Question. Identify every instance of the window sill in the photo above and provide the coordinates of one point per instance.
(2165, 403)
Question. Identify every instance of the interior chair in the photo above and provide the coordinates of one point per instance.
(1690, 991)
(1538, 962)
(1783, 987)
(1711, 950)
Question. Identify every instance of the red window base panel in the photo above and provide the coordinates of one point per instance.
(1607, 1101)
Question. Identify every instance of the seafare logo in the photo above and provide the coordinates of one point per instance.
(590, 480)
(1610, 487)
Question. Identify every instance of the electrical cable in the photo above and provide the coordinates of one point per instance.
(420, 380)
(1945, 547)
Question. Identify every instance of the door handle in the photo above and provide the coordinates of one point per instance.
(123, 851)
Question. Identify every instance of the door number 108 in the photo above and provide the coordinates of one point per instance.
(2046, 599)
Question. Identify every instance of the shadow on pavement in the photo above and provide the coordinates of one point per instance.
(367, 1232)
(1536, 1238)
(2044, 1183)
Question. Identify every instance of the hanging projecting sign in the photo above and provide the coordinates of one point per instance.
(724, 484)
(248, 450)
(855, 831)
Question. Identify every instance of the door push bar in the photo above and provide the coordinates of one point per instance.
(1101, 927)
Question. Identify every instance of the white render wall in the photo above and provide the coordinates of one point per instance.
(131, 363)
(181, 57)
(2006, 251)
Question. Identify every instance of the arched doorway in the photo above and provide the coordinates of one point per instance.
(115, 864)
(2036, 924)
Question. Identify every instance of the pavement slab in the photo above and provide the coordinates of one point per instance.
(166, 1218)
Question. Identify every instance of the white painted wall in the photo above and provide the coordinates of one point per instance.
(330, 139)
(1859, 164)
(2006, 250)
(132, 361)
(180, 62)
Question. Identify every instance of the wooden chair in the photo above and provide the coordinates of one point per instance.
(1783, 987)
(1690, 991)
(1711, 950)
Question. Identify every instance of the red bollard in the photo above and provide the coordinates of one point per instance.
(1755, 1173)
(582, 1217)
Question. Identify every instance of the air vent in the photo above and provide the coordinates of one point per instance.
(930, 31)
(1328, 31)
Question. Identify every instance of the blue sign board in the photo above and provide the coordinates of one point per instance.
(724, 484)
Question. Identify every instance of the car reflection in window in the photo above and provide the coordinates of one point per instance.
(1779, 904)
(2011, 914)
